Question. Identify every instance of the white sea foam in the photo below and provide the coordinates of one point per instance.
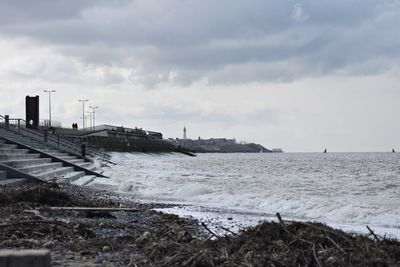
(348, 190)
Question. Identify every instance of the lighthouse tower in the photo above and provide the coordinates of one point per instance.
(184, 133)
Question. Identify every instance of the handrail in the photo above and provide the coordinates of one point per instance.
(49, 137)
(41, 135)
(94, 150)
(67, 146)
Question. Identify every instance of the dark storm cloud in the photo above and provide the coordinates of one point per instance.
(222, 41)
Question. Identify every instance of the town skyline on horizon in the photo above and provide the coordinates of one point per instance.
(297, 75)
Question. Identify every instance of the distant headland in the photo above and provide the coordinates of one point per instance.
(220, 145)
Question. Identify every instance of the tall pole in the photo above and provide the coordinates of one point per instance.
(83, 111)
(90, 114)
(52, 91)
(94, 116)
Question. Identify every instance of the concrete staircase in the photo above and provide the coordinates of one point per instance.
(42, 146)
(31, 158)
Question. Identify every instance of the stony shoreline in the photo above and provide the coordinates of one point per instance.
(144, 237)
(79, 238)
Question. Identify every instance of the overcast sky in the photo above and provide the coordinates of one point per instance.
(300, 75)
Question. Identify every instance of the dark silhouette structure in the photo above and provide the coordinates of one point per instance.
(32, 111)
(325, 150)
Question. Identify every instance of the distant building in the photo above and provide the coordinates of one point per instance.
(201, 142)
(184, 132)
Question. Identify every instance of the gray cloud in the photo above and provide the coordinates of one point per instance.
(296, 73)
(20, 12)
(207, 40)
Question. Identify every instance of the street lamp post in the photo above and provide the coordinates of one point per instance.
(51, 91)
(94, 116)
(90, 115)
(85, 117)
(83, 111)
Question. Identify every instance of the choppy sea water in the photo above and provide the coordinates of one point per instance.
(344, 190)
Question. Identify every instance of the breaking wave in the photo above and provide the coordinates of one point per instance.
(340, 189)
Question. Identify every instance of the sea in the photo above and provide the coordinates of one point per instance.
(230, 192)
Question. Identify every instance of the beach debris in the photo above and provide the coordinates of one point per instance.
(184, 237)
(49, 244)
(373, 234)
(285, 243)
(146, 236)
(208, 230)
(106, 248)
(149, 238)
(103, 209)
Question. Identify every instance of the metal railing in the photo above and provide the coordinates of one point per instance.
(19, 126)
(48, 123)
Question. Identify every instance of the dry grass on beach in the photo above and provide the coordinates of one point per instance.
(148, 238)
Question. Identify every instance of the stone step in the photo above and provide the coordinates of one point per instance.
(5, 151)
(34, 145)
(19, 138)
(39, 147)
(41, 167)
(50, 150)
(13, 137)
(8, 146)
(3, 175)
(77, 161)
(53, 174)
(57, 154)
(25, 162)
(18, 156)
(25, 141)
(86, 165)
(10, 135)
(70, 177)
(13, 182)
(68, 158)
(85, 180)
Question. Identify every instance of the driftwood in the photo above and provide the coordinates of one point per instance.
(282, 224)
(109, 209)
(208, 230)
(372, 233)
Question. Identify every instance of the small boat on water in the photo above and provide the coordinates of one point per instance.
(325, 150)
(393, 150)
